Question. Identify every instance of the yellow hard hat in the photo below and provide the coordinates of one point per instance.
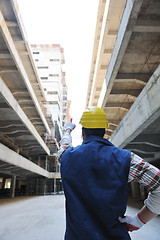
(94, 117)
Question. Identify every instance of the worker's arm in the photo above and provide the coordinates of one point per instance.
(148, 176)
(66, 140)
(139, 220)
(146, 215)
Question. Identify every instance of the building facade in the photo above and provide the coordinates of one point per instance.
(49, 61)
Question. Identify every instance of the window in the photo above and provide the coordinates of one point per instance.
(35, 52)
(45, 89)
(64, 98)
(7, 183)
(64, 104)
(53, 75)
(44, 78)
(36, 60)
(42, 67)
(52, 102)
(52, 92)
(54, 60)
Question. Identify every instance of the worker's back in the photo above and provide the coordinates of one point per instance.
(95, 180)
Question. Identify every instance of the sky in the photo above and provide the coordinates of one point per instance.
(70, 23)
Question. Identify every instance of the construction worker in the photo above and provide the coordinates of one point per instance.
(95, 178)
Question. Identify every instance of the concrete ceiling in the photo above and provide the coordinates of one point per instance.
(108, 21)
(23, 118)
(132, 67)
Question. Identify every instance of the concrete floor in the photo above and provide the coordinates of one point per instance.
(39, 218)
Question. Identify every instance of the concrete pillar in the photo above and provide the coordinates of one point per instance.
(13, 186)
(135, 190)
(51, 182)
(27, 188)
(39, 161)
(46, 166)
(3, 183)
(55, 186)
(38, 185)
(45, 186)
(30, 187)
(143, 193)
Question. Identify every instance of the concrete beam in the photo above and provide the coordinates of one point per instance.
(10, 123)
(151, 29)
(132, 92)
(103, 67)
(113, 108)
(150, 139)
(7, 69)
(118, 98)
(112, 32)
(11, 101)
(5, 56)
(9, 156)
(145, 25)
(108, 51)
(16, 58)
(113, 121)
(55, 175)
(11, 24)
(125, 105)
(146, 108)
(146, 148)
(141, 78)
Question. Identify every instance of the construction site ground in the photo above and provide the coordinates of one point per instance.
(43, 218)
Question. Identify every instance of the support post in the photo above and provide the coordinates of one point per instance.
(46, 166)
(13, 186)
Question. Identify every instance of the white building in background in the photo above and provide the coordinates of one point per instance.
(49, 60)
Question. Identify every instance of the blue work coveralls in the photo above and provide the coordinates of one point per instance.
(95, 181)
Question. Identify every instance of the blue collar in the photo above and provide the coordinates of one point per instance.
(98, 139)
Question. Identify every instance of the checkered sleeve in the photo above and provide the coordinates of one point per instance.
(65, 143)
(144, 173)
(61, 150)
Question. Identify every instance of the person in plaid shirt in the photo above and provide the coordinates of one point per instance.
(139, 171)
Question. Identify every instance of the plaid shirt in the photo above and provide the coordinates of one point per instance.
(144, 173)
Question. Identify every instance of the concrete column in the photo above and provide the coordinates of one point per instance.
(28, 188)
(39, 161)
(51, 186)
(55, 186)
(46, 166)
(143, 193)
(45, 186)
(13, 186)
(3, 183)
(37, 186)
(135, 190)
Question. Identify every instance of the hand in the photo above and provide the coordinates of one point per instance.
(132, 223)
(70, 125)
